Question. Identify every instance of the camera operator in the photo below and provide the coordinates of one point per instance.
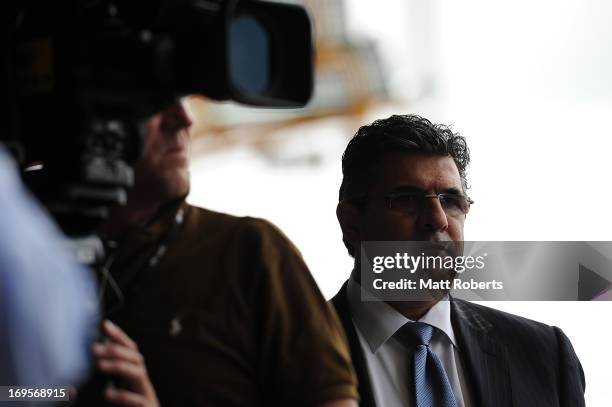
(48, 310)
(223, 309)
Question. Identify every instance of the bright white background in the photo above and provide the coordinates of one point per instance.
(528, 83)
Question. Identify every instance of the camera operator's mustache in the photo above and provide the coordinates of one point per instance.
(176, 149)
(176, 145)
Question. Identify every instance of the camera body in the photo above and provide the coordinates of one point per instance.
(82, 76)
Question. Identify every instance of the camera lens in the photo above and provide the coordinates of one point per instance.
(249, 55)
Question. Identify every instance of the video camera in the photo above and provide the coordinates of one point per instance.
(81, 76)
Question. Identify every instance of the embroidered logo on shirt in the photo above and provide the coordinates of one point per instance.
(175, 326)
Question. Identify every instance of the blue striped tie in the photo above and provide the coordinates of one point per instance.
(431, 385)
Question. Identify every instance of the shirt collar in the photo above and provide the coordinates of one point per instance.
(378, 321)
(152, 230)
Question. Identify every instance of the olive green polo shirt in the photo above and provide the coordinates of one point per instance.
(230, 316)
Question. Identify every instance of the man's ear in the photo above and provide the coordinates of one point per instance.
(349, 218)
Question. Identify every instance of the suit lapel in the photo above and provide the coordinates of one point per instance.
(340, 302)
(484, 357)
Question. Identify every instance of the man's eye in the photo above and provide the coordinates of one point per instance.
(406, 202)
(450, 201)
(409, 198)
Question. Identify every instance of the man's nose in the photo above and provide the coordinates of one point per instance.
(432, 217)
(177, 117)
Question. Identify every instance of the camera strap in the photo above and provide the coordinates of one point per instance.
(131, 288)
(170, 237)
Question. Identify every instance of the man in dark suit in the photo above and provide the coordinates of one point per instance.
(404, 179)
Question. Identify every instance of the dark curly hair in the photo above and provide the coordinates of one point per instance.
(398, 133)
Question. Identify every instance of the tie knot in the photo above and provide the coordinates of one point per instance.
(415, 334)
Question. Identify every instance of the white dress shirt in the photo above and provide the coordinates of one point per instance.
(389, 362)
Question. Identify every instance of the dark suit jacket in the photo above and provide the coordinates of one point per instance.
(508, 360)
